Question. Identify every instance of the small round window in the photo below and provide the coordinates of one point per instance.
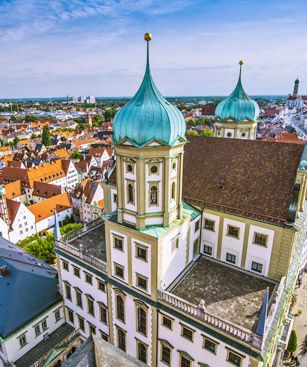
(243, 134)
(129, 168)
(174, 165)
(154, 169)
(229, 135)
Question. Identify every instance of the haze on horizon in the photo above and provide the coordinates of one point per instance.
(81, 47)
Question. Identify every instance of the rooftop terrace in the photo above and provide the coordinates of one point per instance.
(87, 243)
(230, 294)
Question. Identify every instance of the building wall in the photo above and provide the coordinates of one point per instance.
(49, 222)
(99, 297)
(11, 345)
(194, 348)
(274, 257)
(23, 225)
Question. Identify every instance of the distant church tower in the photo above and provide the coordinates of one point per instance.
(295, 89)
(236, 116)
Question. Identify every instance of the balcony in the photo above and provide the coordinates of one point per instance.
(87, 244)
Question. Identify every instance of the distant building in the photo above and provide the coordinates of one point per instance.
(236, 116)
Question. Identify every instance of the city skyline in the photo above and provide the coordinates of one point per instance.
(97, 48)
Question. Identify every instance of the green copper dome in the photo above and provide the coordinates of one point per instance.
(148, 116)
(238, 106)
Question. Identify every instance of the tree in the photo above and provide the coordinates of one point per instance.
(206, 132)
(31, 118)
(109, 114)
(191, 132)
(75, 155)
(292, 344)
(46, 140)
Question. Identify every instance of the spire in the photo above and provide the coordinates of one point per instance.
(263, 314)
(148, 115)
(57, 232)
(147, 38)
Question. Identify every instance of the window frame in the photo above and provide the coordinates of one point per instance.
(117, 238)
(76, 271)
(184, 327)
(168, 346)
(123, 311)
(88, 278)
(138, 343)
(65, 265)
(229, 352)
(208, 228)
(123, 333)
(23, 337)
(230, 261)
(141, 247)
(141, 329)
(206, 339)
(262, 235)
(229, 226)
(256, 268)
(141, 277)
(90, 301)
(206, 252)
(103, 313)
(118, 266)
(164, 317)
(99, 282)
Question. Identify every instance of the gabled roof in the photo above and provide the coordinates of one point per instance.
(13, 189)
(251, 178)
(46, 208)
(29, 288)
(61, 153)
(12, 208)
(46, 190)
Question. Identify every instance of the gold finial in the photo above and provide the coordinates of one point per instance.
(241, 62)
(147, 36)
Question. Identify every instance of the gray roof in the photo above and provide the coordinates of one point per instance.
(29, 288)
(41, 350)
(95, 352)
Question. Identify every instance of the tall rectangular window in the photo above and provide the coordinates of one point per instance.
(234, 358)
(68, 291)
(103, 314)
(90, 306)
(142, 352)
(79, 298)
(81, 323)
(70, 315)
(141, 252)
(121, 339)
(118, 243)
(166, 354)
(22, 340)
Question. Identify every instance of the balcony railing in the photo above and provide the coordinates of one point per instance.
(245, 335)
(80, 253)
(90, 259)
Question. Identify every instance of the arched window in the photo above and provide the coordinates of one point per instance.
(154, 195)
(173, 190)
(130, 193)
(141, 320)
(120, 308)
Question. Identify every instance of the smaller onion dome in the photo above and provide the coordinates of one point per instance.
(148, 115)
(238, 106)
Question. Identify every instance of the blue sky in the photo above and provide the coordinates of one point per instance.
(77, 47)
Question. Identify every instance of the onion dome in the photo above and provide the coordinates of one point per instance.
(148, 116)
(238, 106)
